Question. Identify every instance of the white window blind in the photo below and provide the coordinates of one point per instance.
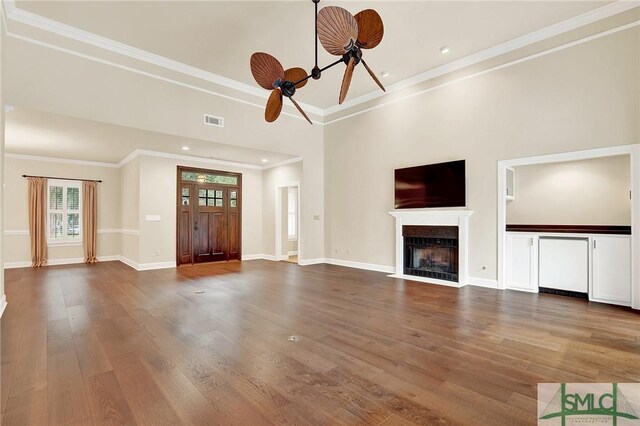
(64, 213)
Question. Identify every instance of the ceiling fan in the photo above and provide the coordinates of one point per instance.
(341, 34)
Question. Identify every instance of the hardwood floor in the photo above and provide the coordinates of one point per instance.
(105, 344)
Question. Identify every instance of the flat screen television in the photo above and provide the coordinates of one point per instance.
(432, 185)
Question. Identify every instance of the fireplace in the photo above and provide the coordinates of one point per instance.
(431, 251)
(432, 246)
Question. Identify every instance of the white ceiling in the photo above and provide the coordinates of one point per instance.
(220, 36)
(38, 133)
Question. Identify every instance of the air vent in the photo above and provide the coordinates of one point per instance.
(212, 120)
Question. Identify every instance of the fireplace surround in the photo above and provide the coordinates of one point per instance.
(432, 246)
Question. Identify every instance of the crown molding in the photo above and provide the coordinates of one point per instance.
(25, 17)
(282, 163)
(12, 12)
(501, 49)
(159, 154)
(149, 153)
(477, 74)
(60, 160)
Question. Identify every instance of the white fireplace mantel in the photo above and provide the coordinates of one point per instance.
(459, 218)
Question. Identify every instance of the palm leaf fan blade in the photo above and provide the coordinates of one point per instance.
(301, 110)
(294, 75)
(266, 69)
(373, 75)
(274, 106)
(346, 80)
(337, 29)
(370, 28)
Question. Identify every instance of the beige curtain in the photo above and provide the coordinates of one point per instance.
(38, 220)
(89, 220)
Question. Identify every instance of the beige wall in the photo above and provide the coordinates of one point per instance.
(15, 208)
(283, 176)
(130, 210)
(70, 85)
(158, 197)
(582, 97)
(2, 296)
(587, 192)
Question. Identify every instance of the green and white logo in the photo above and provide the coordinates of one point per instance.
(566, 404)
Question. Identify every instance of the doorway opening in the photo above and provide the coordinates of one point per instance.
(287, 236)
(209, 216)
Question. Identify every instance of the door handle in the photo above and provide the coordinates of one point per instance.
(195, 226)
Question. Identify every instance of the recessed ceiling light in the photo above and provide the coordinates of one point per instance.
(445, 50)
(264, 160)
(185, 148)
(384, 73)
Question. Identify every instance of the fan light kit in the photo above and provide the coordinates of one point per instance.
(341, 34)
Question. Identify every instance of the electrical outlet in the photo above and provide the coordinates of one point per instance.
(316, 217)
(157, 252)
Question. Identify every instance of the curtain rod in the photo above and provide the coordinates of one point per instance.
(59, 178)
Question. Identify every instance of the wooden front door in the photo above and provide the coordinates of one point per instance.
(209, 216)
(210, 242)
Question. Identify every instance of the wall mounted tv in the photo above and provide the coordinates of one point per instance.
(432, 185)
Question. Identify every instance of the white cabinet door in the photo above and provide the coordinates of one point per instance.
(564, 263)
(522, 262)
(612, 269)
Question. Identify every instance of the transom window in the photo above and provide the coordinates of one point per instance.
(64, 213)
(209, 178)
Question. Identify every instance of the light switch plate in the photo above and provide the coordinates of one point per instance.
(152, 218)
(316, 217)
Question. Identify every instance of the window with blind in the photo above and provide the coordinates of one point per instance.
(292, 207)
(64, 213)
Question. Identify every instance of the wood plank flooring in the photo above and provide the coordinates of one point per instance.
(104, 344)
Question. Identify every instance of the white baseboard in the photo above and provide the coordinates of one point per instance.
(156, 265)
(13, 265)
(57, 262)
(482, 282)
(307, 262)
(3, 304)
(252, 256)
(146, 266)
(269, 257)
(361, 265)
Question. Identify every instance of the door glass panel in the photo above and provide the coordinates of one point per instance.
(234, 203)
(202, 193)
(210, 193)
(218, 194)
(219, 202)
(210, 178)
(185, 192)
(185, 201)
(210, 201)
(202, 201)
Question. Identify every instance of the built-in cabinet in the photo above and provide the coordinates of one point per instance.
(522, 260)
(543, 260)
(611, 269)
